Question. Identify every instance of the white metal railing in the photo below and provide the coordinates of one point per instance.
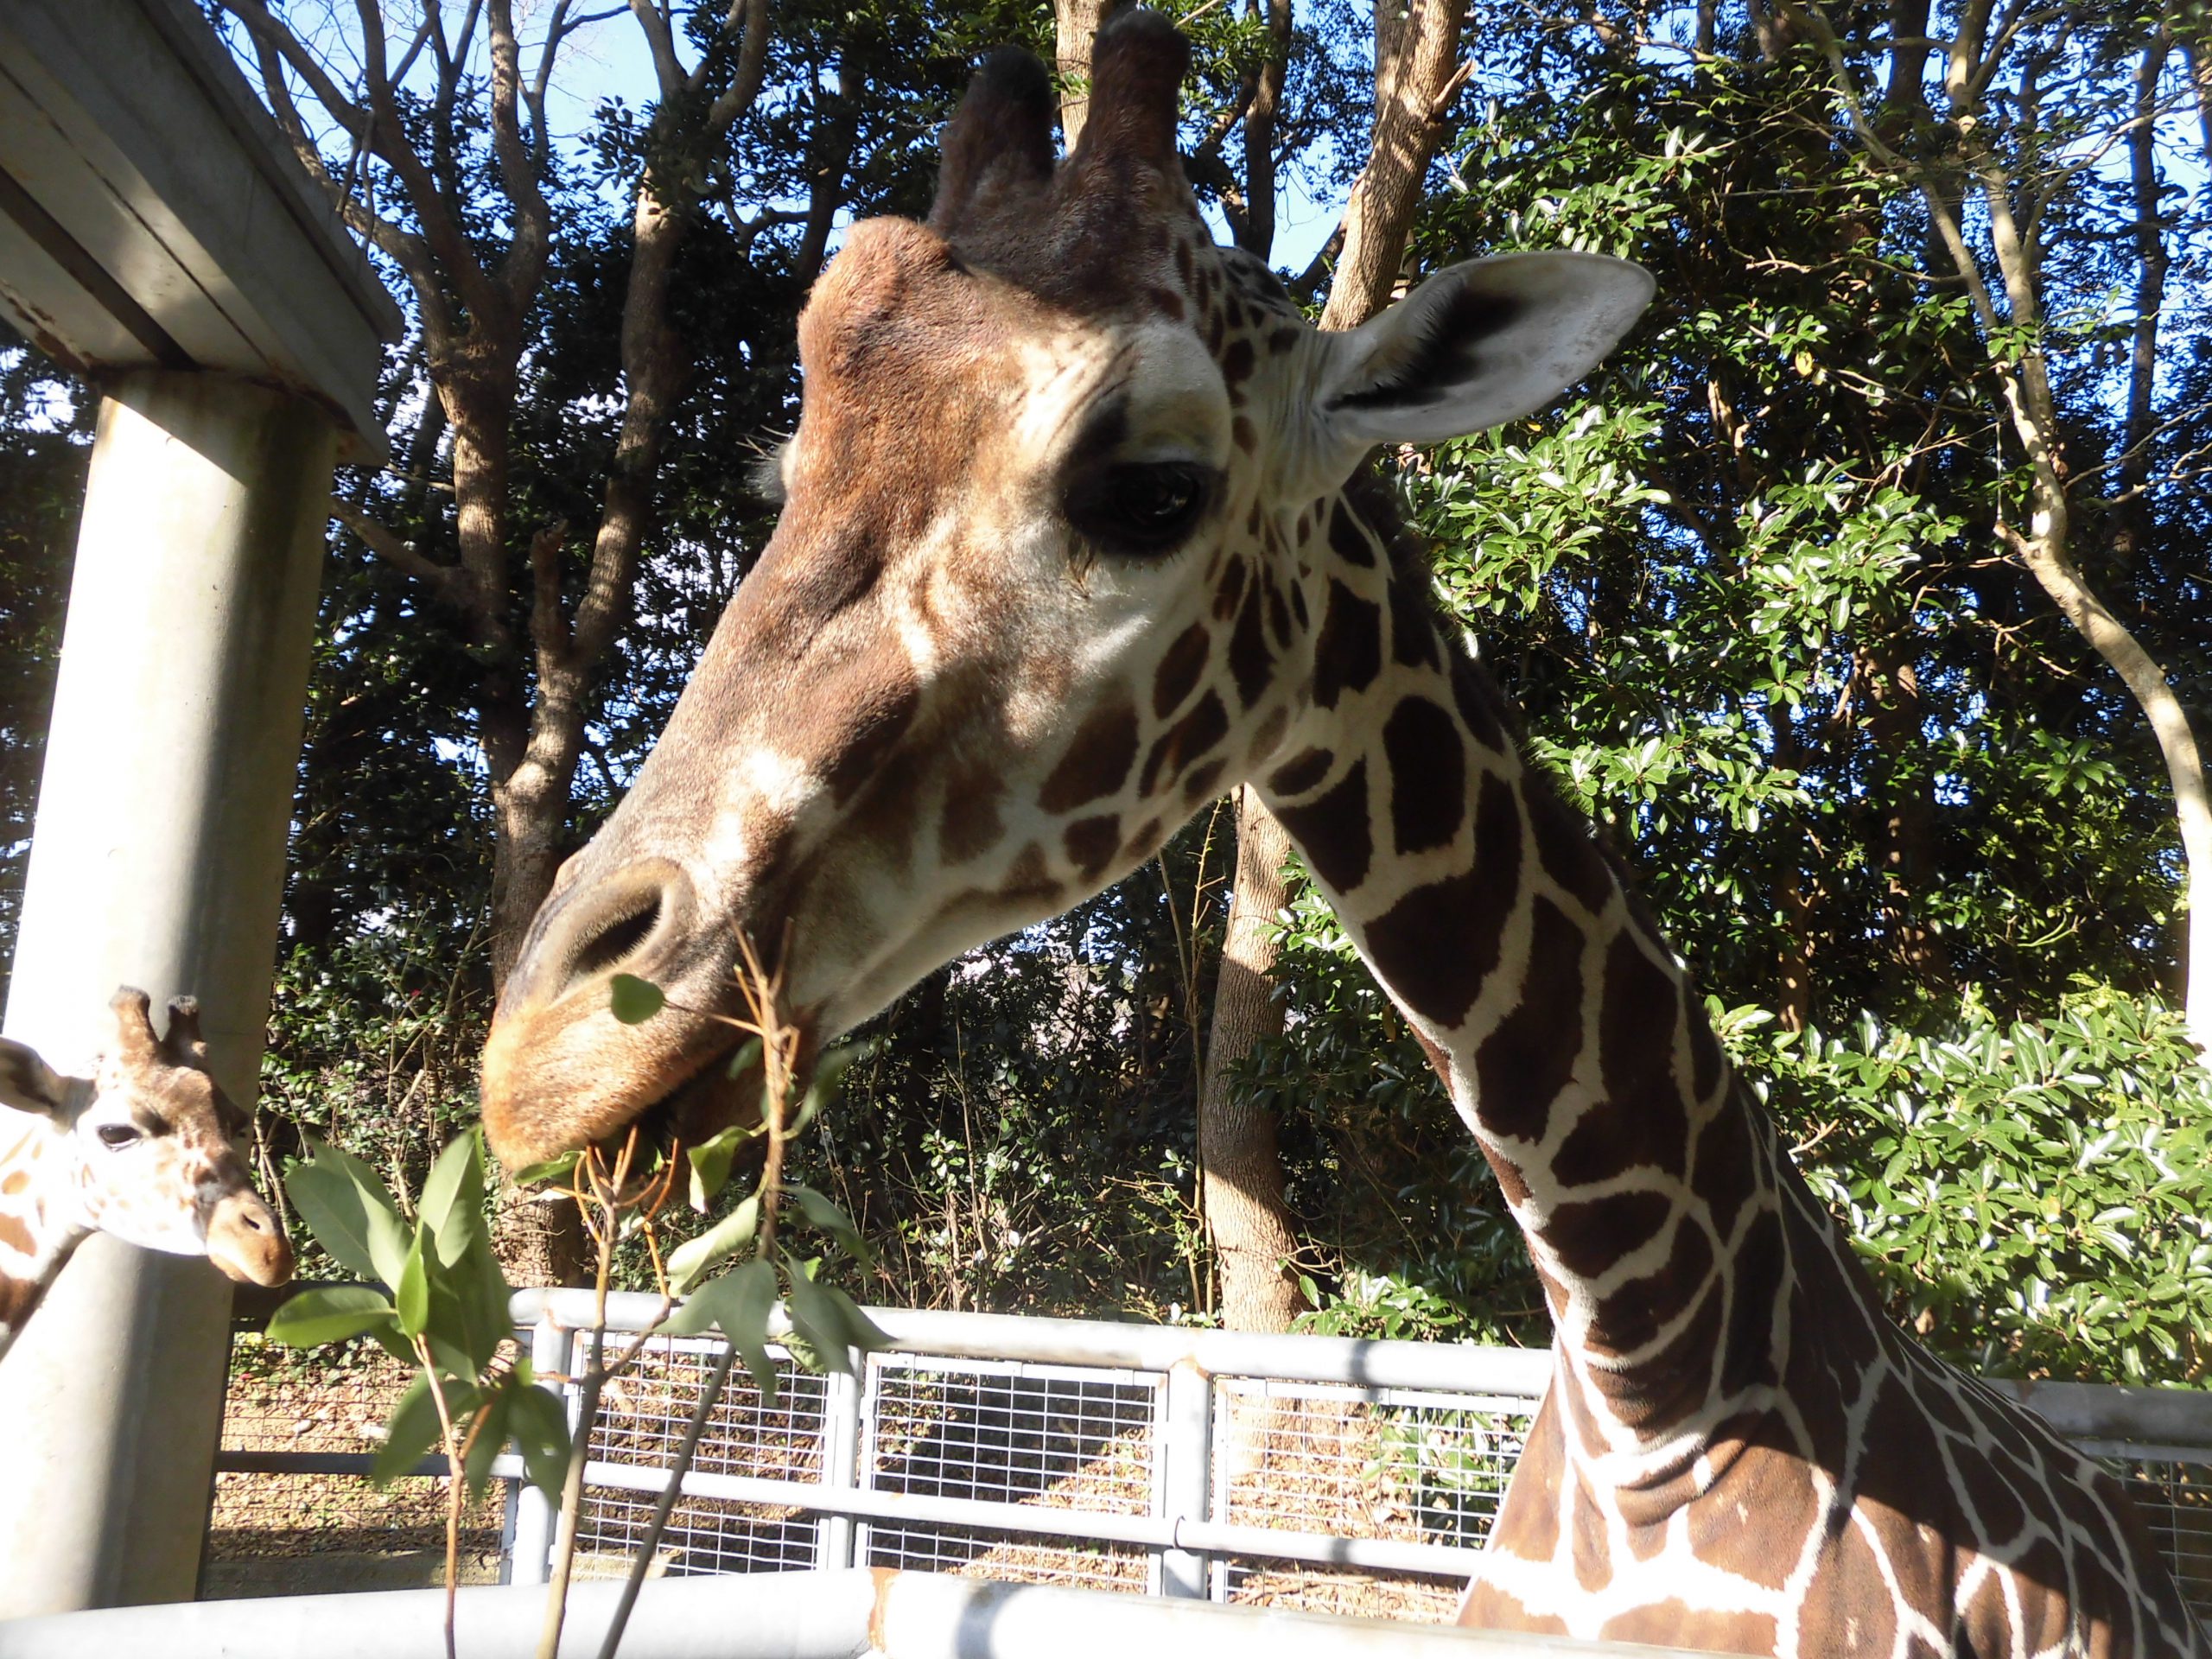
(1191, 1463)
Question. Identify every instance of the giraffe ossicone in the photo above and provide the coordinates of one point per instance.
(1076, 535)
(141, 1150)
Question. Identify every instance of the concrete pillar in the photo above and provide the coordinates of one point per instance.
(157, 861)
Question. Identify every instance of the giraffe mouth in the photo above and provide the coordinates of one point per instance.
(700, 1106)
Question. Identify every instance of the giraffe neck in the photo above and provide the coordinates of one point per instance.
(1641, 1174)
(38, 1226)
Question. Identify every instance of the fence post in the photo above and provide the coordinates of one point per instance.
(1187, 1460)
(529, 1556)
(841, 1439)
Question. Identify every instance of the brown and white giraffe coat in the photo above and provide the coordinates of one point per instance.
(1077, 536)
(140, 1150)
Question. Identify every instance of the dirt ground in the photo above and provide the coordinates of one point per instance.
(292, 1534)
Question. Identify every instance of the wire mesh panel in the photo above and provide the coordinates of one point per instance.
(2175, 1501)
(1420, 1467)
(1058, 1437)
(303, 1533)
(644, 1414)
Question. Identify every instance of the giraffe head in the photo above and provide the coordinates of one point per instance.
(1051, 572)
(148, 1142)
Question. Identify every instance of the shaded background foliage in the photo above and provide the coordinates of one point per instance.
(1748, 585)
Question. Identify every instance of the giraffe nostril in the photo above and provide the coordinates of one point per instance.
(617, 939)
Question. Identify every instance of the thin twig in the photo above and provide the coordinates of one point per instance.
(779, 1049)
(452, 1488)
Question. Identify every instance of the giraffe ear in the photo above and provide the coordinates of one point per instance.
(29, 1083)
(1477, 345)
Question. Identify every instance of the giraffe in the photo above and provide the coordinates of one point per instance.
(140, 1150)
(1076, 535)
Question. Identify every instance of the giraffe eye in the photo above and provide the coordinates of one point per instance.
(1142, 508)
(116, 1136)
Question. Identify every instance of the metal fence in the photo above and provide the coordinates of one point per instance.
(1319, 1473)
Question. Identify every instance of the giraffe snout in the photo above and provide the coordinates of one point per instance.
(245, 1241)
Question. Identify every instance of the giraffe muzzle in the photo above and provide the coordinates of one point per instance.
(245, 1241)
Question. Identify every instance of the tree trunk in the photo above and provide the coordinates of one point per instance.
(1416, 49)
(1237, 1150)
(2046, 545)
(1257, 233)
(1906, 833)
(1075, 24)
(1414, 56)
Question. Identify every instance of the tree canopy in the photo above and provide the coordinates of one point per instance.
(1860, 599)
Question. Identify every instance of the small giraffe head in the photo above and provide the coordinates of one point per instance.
(1053, 571)
(148, 1143)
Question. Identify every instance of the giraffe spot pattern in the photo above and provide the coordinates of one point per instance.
(1428, 775)
(1762, 1265)
(1251, 665)
(1631, 1317)
(1091, 844)
(1179, 670)
(1349, 653)
(1437, 945)
(1348, 537)
(1413, 630)
(1589, 1233)
(1271, 728)
(1278, 616)
(1591, 1547)
(1641, 1120)
(1204, 783)
(1666, 1385)
(1726, 1178)
(1570, 858)
(1184, 742)
(1097, 760)
(1300, 772)
(870, 731)
(1527, 1058)
(1231, 589)
(1476, 700)
(970, 825)
(1333, 830)
(1678, 1624)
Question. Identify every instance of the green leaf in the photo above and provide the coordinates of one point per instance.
(693, 1261)
(861, 1331)
(821, 1317)
(329, 1313)
(467, 1315)
(452, 1206)
(553, 1169)
(822, 1087)
(712, 1158)
(539, 1423)
(738, 1304)
(410, 1433)
(410, 1296)
(490, 1427)
(832, 1220)
(636, 1000)
(349, 1213)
